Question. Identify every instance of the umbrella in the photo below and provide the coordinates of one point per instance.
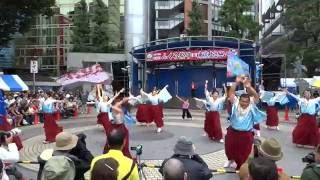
(316, 83)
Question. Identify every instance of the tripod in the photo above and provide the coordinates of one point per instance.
(140, 166)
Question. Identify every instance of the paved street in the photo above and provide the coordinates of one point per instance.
(156, 147)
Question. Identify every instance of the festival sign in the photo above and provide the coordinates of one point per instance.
(189, 55)
(94, 74)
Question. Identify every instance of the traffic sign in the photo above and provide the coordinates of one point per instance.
(33, 66)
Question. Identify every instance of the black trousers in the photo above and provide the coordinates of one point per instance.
(184, 112)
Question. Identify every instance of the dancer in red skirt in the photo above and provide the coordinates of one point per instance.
(118, 123)
(51, 128)
(244, 114)
(144, 110)
(306, 131)
(271, 98)
(214, 105)
(157, 98)
(104, 109)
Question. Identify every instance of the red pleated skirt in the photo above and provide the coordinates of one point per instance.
(51, 128)
(306, 131)
(212, 125)
(103, 119)
(238, 145)
(7, 127)
(144, 113)
(157, 113)
(125, 149)
(272, 116)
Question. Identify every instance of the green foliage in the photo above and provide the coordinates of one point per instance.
(100, 38)
(196, 20)
(81, 31)
(17, 15)
(301, 21)
(236, 17)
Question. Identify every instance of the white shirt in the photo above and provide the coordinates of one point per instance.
(9, 154)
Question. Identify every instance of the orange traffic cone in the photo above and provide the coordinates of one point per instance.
(36, 119)
(286, 114)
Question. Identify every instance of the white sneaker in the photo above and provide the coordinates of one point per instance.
(258, 133)
(233, 165)
(204, 134)
(221, 141)
(159, 130)
(277, 128)
(227, 164)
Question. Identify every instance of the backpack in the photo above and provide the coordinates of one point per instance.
(59, 168)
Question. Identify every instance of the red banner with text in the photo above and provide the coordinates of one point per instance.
(189, 55)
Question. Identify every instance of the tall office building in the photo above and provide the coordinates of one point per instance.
(49, 39)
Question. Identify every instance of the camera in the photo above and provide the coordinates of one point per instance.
(12, 132)
(138, 149)
(309, 158)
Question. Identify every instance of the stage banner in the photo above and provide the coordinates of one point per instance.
(190, 55)
(93, 74)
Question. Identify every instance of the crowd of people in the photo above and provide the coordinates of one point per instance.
(71, 158)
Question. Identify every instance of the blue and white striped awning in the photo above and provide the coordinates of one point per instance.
(12, 83)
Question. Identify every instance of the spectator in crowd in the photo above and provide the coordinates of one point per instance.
(16, 116)
(73, 147)
(3, 174)
(9, 100)
(106, 168)
(262, 168)
(173, 169)
(127, 167)
(9, 154)
(312, 171)
(195, 166)
(269, 149)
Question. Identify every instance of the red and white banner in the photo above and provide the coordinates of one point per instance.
(190, 55)
(93, 74)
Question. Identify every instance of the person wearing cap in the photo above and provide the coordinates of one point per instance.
(214, 105)
(244, 115)
(65, 144)
(51, 128)
(196, 168)
(306, 132)
(269, 149)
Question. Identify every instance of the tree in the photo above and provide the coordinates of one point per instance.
(17, 15)
(196, 20)
(81, 31)
(301, 21)
(237, 18)
(100, 38)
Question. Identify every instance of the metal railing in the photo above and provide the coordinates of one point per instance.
(167, 4)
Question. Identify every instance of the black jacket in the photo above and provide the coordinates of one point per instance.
(195, 166)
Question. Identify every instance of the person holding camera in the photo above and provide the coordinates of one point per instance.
(195, 166)
(312, 170)
(9, 154)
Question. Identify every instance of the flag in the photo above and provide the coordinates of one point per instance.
(94, 74)
(164, 95)
(236, 66)
(3, 112)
